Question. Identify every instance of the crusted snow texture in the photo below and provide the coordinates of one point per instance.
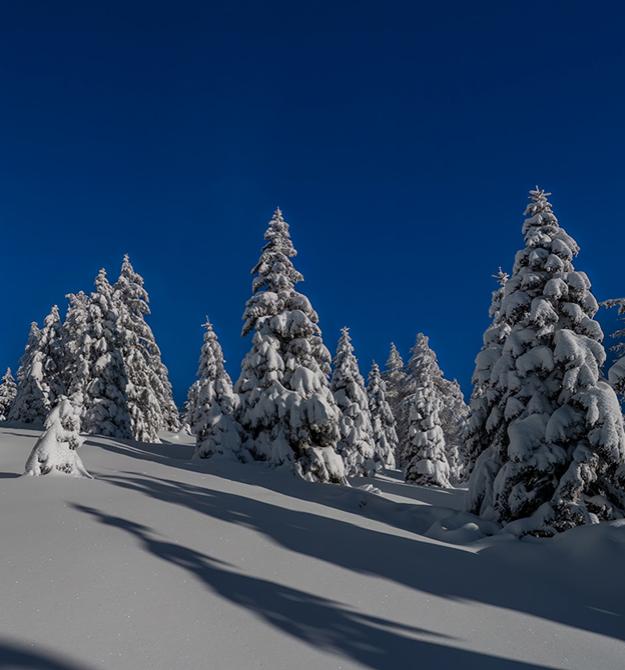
(105, 380)
(382, 419)
(55, 452)
(425, 453)
(557, 460)
(211, 416)
(150, 402)
(40, 381)
(453, 416)
(287, 410)
(8, 391)
(395, 377)
(484, 426)
(356, 446)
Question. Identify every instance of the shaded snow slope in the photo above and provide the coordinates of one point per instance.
(162, 563)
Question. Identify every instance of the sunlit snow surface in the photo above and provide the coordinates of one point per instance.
(164, 563)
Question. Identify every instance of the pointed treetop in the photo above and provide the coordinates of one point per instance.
(345, 341)
(101, 277)
(127, 269)
(539, 204)
(275, 271)
(394, 360)
(374, 373)
(538, 194)
(423, 363)
(501, 277)
(53, 316)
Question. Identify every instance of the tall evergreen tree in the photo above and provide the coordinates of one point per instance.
(105, 398)
(425, 456)
(8, 391)
(76, 343)
(40, 376)
(146, 395)
(51, 346)
(213, 415)
(616, 373)
(559, 462)
(189, 409)
(485, 425)
(29, 405)
(395, 377)
(453, 417)
(356, 446)
(287, 409)
(382, 419)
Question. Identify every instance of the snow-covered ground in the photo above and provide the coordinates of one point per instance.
(161, 563)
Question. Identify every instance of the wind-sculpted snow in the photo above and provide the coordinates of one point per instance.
(166, 562)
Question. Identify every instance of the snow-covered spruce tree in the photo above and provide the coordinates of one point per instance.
(105, 400)
(286, 409)
(616, 373)
(559, 461)
(29, 405)
(453, 417)
(169, 409)
(382, 419)
(211, 358)
(485, 423)
(397, 388)
(56, 451)
(356, 446)
(51, 345)
(8, 391)
(189, 408)
(425, 455)
(130, 286)
(213, 422)
(146, 395)
(40, 376)
(76, 343)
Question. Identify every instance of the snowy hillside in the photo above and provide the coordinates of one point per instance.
(162, 563)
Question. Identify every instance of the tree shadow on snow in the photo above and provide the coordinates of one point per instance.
(352, 500)
(166, 453)
(495, 576)
(31, 436)
(322, 623)
(14, 656)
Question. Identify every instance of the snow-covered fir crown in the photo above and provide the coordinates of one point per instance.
(275, 271)
(501, 277)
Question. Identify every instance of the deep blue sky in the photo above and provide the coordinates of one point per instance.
(400, 140)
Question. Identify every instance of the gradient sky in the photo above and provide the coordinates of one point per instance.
(400, 140)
